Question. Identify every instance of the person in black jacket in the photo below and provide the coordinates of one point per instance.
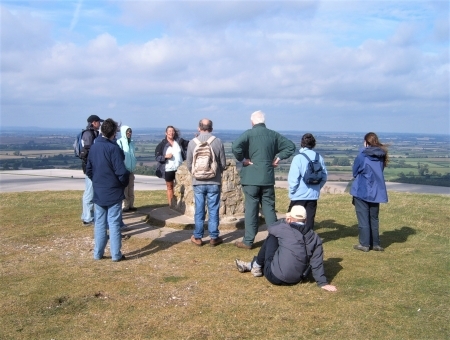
(169, 154)
(88, 137)
(290, 252)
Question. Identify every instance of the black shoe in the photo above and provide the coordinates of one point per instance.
(88, 224)
(132, 209)
(360, 247)
(377, 248)
(123, 258)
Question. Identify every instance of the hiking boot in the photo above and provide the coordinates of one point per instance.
(377, 248)
(360, 247)
(196, 241)
(87, 224)
(215, 241)
(242, 245)
(243, 266)
(257, 271)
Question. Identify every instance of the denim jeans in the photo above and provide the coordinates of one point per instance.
(88, 206)
(368, 224)
(210, 192)
(108, 218)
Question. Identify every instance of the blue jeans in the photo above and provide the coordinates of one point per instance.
(88, 206)
(210, 192)
(108, 217)
(368, 223)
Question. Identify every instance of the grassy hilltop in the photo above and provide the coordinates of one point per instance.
(51, 288)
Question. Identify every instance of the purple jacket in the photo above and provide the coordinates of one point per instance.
(369, 182)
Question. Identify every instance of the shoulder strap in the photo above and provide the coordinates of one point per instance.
(197, 141)
(304, 154)
(210, 139)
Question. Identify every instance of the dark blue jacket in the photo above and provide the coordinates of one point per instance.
(369, 184)
(106, 169)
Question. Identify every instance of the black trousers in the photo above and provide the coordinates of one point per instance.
(310, 207)
(265, 258)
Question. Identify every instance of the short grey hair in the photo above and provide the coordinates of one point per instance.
(258, 117)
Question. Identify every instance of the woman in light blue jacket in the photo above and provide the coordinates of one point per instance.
(301, 193)
(369, 190)
(127, 145)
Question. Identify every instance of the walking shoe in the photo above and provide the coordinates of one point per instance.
(132, 209)
(242, 245)
(196, 241)
(215, 241)
(123, 258)
(377, 248)
(87, 224)
(360, 247)
(243, 266)
(257, 271)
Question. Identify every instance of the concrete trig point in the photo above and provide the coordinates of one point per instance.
(180, 215)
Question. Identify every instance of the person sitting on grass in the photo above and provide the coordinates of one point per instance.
(289, 253)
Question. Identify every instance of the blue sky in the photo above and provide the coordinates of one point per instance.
(358, 66)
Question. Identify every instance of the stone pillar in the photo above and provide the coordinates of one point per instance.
(231, 197)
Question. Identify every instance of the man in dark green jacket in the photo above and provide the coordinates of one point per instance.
(257, 149)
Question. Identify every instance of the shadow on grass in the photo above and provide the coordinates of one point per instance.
(178, 236)
(162, 243)
(332, 267)
(396, 236)
(340, 231)
(337, 231)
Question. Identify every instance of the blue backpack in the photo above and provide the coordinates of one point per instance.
(313, 173)
(78, 144)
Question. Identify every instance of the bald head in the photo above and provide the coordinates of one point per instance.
(205, 125)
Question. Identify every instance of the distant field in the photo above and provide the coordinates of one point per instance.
(408, 153)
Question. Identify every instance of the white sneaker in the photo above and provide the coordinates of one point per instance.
(257, 271)
(243, 266)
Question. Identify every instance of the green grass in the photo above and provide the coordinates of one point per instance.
(51, 288)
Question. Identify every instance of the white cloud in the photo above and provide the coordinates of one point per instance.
(231, 60)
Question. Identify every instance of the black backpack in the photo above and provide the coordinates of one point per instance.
(313, 173)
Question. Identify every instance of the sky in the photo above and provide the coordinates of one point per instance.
(355, 66)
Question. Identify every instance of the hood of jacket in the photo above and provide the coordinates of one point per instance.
(123, 131)
(374, 152)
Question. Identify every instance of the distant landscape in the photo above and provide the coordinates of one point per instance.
(414, 158)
